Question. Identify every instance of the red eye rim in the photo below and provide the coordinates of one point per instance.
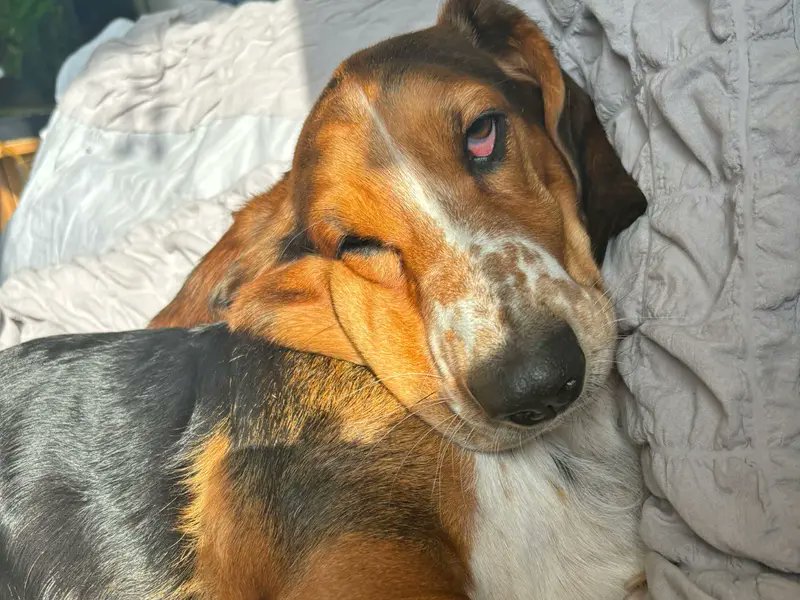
(482, 137)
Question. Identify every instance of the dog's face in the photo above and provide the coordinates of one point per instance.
(430, 229)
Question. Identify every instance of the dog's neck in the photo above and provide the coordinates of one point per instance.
(558, 518)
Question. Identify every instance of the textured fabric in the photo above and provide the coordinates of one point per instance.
(700, 99)
(124, 287)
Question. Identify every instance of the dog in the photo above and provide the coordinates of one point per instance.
(412, 393)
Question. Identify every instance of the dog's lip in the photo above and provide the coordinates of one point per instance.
(486, 440)
(458, 402)
(453, 388)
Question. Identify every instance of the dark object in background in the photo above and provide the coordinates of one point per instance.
(36, 36)
(94, 15)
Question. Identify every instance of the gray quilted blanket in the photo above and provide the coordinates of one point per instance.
(701, 99)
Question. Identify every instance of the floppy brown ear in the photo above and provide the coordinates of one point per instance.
(608, 196)
(204, 295)
(610, 199)
(259, 235)
(384, 325)
(291, 306)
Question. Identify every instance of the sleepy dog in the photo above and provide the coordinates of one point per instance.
(466, 446)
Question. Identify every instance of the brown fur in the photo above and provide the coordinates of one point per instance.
(291, 306)
(360, 568)
(311, 478)
(231, 548)
(238, 550)
(278, 273)
(211, 287)
(265, 226)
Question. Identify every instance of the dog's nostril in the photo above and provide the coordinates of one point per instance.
(549, 410)
(527, 418)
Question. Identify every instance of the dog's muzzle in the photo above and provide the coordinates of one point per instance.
(533, 379)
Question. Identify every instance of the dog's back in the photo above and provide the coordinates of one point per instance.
(153, 463)
(90, 427)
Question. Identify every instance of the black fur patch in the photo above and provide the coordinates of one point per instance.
(562, 463)
(94, 435)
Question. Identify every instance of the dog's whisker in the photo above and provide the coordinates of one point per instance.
(297, 235)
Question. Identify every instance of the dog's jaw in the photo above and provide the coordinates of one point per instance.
(546, 507)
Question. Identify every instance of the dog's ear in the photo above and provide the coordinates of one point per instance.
(260, 236)
(206, 293)
(608, 197)
(322, 306)
(291, 306)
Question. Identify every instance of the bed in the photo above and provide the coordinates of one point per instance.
(178, 119)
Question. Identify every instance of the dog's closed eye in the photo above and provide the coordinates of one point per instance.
(371, 259)
(357, 244)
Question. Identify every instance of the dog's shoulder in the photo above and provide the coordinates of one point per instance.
(129, 366)
(93, 432)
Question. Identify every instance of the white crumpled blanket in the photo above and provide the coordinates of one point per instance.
(189, 113)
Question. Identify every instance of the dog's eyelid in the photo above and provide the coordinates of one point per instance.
(484, 114)
(362, 245)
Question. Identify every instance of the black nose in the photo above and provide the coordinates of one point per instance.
(531, 382)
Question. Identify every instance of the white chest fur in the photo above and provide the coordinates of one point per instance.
(558, 519)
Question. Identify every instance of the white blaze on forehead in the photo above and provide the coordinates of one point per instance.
(410, 183)
(419, 188)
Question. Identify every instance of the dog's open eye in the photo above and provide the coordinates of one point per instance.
(484, 139)
(361, 245)
(481, 137)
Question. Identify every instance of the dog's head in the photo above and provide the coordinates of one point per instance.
(432, 227)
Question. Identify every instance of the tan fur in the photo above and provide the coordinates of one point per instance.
(235, 259)
(359, 568)
(230, 546)
(232, 541)
(369, 164)
(291, 306)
